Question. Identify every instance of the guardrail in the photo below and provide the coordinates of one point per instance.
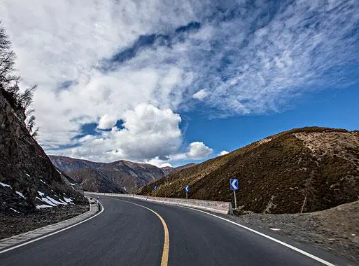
(213, 206)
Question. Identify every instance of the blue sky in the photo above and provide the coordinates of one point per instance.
(327, 108)
(171, 83)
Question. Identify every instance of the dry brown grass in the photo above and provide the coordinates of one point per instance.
(278, 176)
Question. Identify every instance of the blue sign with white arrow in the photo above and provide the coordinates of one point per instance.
(186, 188)
(233, 183)
(155, 188)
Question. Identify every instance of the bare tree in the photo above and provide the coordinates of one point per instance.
(7, 62)
(25, 99)
(30, 123)
(9, 83)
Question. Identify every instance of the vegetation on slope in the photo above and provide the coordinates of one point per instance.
(279, 174)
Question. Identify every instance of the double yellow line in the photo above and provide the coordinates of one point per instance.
(166, 243)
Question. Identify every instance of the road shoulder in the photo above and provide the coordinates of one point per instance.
(16, 241)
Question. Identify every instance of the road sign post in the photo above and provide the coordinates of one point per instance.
(235, 199)
(155, 189)
(186, 189)
(233, 184)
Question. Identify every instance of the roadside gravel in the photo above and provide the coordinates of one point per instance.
(14, 224)
(335, 230)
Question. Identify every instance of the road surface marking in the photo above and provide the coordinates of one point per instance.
(271, 238)
(54, 233)
(166, 243)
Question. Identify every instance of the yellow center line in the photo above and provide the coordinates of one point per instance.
(166, 243)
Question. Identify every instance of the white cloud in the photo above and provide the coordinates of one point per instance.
(200, 95)
(166, 165)
(197, 150)
(159, 163)
(148, 133)
(65, 41)
(106, 122)
(249, 59)
(223, 153)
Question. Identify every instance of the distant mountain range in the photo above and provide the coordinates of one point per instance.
(301, 170)
(120, 176)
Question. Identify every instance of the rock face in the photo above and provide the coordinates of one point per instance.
(301, 170)
(27, 176)
(119, 176)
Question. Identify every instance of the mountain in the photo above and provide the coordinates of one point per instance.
(28, 180)
(179, 168)
(119, 176)
(301, 170)
(168, 169)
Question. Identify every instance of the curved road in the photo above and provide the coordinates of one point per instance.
(128, 234)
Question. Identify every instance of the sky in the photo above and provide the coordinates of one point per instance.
(173, 82)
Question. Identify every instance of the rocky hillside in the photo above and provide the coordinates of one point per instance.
(119, 176)
(301, 170)
(168, 169)
(28, 180)
(179, 168)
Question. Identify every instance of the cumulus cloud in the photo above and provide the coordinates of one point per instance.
(106, 122)
(110, 57)
(223, 153)
(159, 163)
(197, 150)
(148, 133)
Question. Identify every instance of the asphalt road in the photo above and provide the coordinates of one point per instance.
(127, 234)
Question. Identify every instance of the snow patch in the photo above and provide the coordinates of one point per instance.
(62, 202)
(5, 185)
(14, 210)
(43, 206)
(55, 201)
(49, 202)
(20, 194)
(68, 200)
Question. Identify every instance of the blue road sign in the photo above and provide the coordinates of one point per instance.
(186, 188)
(155, 188)
(233, 183)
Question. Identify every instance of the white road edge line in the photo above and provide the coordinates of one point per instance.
(51, 234)
(271, 238)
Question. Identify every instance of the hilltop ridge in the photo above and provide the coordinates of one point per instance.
(118, 177)
(300, 170)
